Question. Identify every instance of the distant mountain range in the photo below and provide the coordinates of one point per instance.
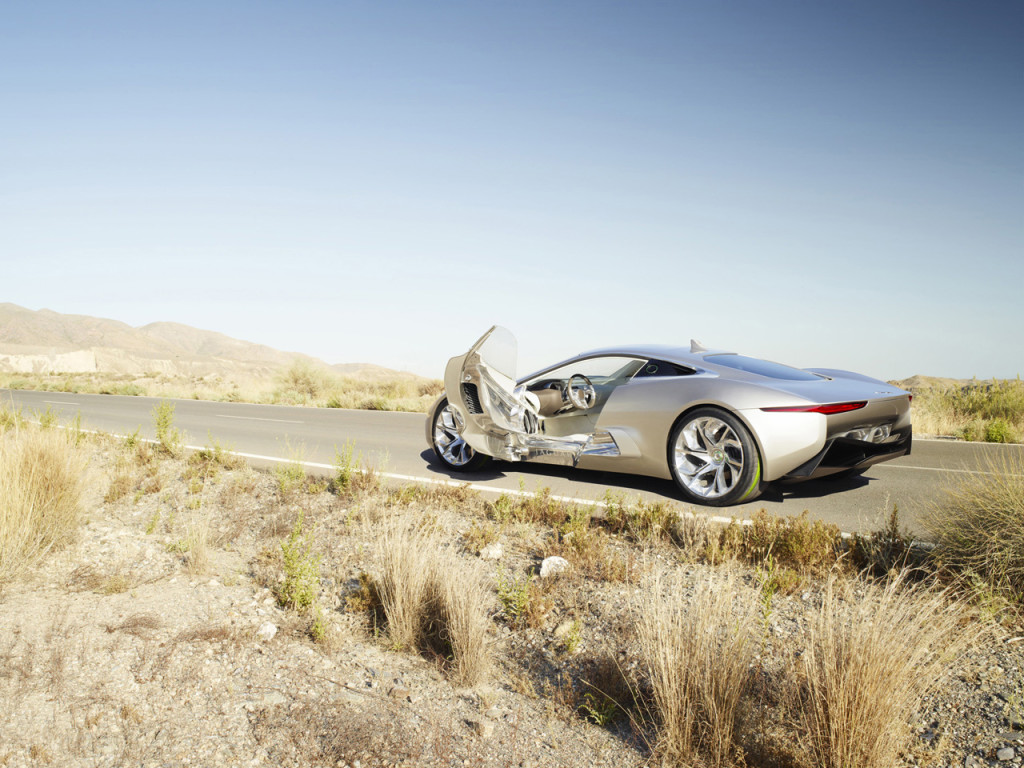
(45, 341)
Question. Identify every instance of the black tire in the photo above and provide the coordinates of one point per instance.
(455, 454)
(714, 459)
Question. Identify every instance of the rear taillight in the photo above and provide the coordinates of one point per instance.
(828, 410)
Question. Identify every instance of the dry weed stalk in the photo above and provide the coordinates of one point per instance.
(697, 655)
(979, 527)
(432, 600)
(40, 491)
(867, 663)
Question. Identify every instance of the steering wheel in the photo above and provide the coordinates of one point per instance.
(581, 392)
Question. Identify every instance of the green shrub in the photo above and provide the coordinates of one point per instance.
(998, 431)
(301, 570)
(303, 382)
(167, 435)
(640, 521)
(345, 467)
(514, 596)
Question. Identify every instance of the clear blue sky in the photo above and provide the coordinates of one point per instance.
(821, 183)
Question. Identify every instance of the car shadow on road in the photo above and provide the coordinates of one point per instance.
(497, 470)
(776, 493)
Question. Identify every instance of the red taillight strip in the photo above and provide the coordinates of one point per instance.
(825, 409)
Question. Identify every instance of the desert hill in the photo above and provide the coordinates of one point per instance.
(45, 341)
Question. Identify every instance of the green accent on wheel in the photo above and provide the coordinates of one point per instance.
(757, 477)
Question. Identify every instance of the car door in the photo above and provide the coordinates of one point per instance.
(502, 417)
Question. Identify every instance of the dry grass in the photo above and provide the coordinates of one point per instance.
(197, 543)
(991, 411)
(300, 384)
(87, 578)
(697, 654)
(40, 492)
(979, 528)
(138, 624)
(867, 662)
(433, 601)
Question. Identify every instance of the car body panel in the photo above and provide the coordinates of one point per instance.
(629, 426)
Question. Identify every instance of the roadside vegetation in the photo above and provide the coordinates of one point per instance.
(985, 411)
(685, 655)
(300, 384)
(40, 492)
(980, 411)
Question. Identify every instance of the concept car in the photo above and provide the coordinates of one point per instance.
(721, 425)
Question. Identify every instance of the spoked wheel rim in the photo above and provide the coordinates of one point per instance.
(708, 457)
(448, 438)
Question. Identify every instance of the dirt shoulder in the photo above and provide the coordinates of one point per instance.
(159, 638)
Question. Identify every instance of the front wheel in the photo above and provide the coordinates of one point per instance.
(714, 458)
(449, 446)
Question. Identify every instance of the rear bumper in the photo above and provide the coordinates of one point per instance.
(843, 454)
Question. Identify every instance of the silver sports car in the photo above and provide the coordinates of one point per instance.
(721, 425)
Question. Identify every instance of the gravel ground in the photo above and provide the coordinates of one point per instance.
(157, 640)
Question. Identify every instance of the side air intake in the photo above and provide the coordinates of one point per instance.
(471, 397)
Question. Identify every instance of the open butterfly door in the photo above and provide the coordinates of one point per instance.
(501, 417)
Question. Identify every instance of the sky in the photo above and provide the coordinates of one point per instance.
(833, 184)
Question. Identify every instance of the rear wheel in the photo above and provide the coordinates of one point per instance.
(449, 446)
(714, 458)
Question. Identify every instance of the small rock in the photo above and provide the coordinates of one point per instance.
(483, 728)
(1005, 754)
(399, 692)
(563, 629)
(266, 631)
(273, 698)
(1010, 736)
(553, 565)
(491, 552)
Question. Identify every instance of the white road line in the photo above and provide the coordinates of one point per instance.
(60, 402)
(257, 418)
(473, 486)
(943, 469)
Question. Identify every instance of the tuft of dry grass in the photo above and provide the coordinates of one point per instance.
(197, 543)
(40, 493)
(138, 624)
(697, 654)
(434, 601)
(978, 528)
(867, 662)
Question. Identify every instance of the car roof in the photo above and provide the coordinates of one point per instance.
(667, 352)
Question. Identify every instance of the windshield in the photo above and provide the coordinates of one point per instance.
(762, 367)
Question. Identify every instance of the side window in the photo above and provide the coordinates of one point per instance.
(654, 368)
(600, 370)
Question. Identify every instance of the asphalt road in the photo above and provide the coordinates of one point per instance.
(395, 444)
